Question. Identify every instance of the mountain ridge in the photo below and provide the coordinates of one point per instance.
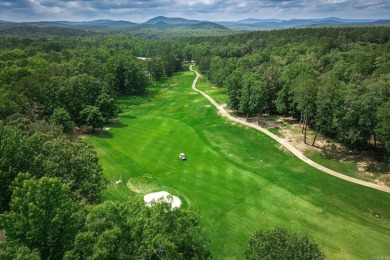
(249, 24)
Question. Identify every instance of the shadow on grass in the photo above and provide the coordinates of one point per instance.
(128, 117)
(117, 124)
(102, 134)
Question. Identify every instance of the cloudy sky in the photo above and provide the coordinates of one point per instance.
(213, 10)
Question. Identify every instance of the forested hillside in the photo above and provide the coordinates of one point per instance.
(336, 80)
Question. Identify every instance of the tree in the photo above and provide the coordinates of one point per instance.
(280, 244)
(245, 106)
(17, 154)
(258, 93)
(42, 216)
(383, 126)
(254, 95)
(77, 165)
(129, 77)
(271, 74)
(233, 84)
(329, 98)
(41, 150)
(356, 120)
(304, 92)
(133, 231)
(284, 97)
(155, 68)
(61, 117)
(91, 116)
(107, 106)
(283, 103)
(11, 251)
(10, 103)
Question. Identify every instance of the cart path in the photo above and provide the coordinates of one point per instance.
(296, 152)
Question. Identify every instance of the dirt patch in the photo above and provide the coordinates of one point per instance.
(291, 131)
(384, 179)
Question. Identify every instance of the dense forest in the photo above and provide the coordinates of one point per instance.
(335, 80)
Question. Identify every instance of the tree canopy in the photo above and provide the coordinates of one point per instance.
(279, 243)
(42, 217)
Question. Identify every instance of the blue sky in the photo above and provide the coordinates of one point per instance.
(213, 10)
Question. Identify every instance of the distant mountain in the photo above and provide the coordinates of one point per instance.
(162, 22)
(36, 30)
(381, 22)
(253, 21)
(96, 23)
(158, 25)
(269, 24)
(2, 22)
(109, 23)
(207, 26)
(172, 21)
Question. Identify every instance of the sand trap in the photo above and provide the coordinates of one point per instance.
(162, 196)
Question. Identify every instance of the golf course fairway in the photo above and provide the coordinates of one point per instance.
(237, 179)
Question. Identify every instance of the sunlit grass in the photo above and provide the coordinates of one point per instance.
(236, 178)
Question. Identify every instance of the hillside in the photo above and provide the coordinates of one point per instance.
(162, 22)
(172, 21)
(253, 24)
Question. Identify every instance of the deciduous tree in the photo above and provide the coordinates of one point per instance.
(61, 117)
(281, 244)
(91, 116)
(42, 217)
(131, 230)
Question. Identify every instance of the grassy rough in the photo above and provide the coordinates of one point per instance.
(238, 179)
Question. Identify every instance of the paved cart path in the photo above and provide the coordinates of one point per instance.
(283, 142)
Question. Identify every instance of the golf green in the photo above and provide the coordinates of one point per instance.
(236, 178)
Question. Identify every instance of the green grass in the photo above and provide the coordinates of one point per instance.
(237, 179)
(347, 168)
(127, 102)
(275, 131)
(217, 93)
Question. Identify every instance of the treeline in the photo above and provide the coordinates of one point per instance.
(335, 80)
(76, 80)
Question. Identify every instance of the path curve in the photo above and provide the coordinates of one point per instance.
(283, 142)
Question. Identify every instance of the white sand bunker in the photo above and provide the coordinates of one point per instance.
(162, 196)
